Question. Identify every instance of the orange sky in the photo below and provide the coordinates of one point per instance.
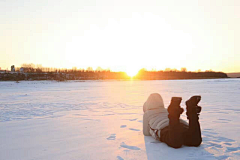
(124, 35)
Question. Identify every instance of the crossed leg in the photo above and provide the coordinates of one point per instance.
(193, 137)
(173, 135)
(177, 134)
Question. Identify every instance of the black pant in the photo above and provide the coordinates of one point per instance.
(177, 134)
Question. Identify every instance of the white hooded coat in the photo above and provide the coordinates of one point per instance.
(155, 115)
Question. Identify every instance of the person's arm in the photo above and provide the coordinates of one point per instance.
(146, 128)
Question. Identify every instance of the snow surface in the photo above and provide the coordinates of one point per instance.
(103, 119)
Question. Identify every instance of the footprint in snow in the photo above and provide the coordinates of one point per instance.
(112, 137)
(224, 139)
(123, 126)
(110, 114)
(129, 147)
(222, 157)
(208, 132)
(233, 149)
(133, 129)
(212, 140)
(133, 119)
(119, 158)
(222, 119)
(229, 144)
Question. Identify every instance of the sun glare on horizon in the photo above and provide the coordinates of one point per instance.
(132, 72)
(154, 35)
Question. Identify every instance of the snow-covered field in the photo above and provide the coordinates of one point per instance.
(103, 119)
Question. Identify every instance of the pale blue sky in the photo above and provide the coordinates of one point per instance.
(121, 35)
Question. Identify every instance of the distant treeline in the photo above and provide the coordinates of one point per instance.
(32, 72)
(174, 74)
(32, 68)
(62, 76)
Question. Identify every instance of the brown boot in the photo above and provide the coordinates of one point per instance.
(193, 109)
(174, 108)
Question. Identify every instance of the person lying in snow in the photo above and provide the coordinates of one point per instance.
(166, 126)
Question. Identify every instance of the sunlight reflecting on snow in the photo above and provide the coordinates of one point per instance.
(103, 119)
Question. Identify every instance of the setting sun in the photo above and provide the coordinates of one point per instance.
(132, 72)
